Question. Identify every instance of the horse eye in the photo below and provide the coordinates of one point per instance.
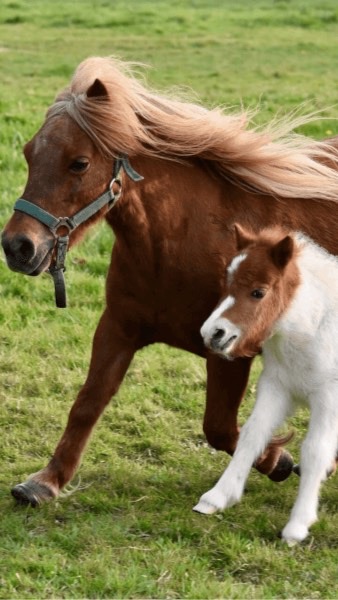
(79, 165)
(258, 294)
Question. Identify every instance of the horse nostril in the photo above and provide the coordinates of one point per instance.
(19, 247)
(26, 248)
(218, 334)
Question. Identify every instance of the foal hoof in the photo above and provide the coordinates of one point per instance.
(283, 468)
(296, 470)
(31, 492)
(205, 508)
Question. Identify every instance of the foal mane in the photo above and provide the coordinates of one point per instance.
(135, 120)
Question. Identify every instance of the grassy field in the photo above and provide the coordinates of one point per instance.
(125, 529)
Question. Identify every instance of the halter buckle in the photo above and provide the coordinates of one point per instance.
(64, 222)
(115, 196)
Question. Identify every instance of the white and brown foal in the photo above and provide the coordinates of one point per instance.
(282, 298)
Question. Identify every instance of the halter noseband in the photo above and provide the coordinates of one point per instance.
(108, 198)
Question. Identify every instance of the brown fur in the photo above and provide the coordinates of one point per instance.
(270, 268)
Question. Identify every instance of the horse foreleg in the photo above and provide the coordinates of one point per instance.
(111, 355)
(226, 385)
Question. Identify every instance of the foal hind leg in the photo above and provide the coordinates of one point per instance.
(226, 385)
(111, 356)
(317, 456)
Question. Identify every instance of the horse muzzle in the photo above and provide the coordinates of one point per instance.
(25, 255)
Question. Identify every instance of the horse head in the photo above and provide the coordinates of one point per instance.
(66, 172)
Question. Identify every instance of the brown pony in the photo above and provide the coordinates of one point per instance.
(202, 171)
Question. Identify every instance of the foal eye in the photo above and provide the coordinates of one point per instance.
(258, 294)
(79, 165)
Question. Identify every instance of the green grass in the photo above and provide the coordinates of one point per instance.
(126, 530)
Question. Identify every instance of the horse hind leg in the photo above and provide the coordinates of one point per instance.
(111, 355)
(226, 385)
(276, 462)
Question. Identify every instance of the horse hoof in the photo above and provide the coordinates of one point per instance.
(31, 492)
(283, 468)
(296, 470)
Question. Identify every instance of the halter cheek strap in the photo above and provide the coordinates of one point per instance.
(108, 198)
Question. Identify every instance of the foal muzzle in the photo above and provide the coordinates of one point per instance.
(220, 336)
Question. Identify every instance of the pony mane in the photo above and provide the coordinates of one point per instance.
(135, 120)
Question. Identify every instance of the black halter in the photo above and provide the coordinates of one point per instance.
(108, 198)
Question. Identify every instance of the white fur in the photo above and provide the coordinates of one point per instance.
(216, 323)
(300, 365)
(208, 326)
(236, 261)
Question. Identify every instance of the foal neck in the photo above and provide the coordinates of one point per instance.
(317, 293)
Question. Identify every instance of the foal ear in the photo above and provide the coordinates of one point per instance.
(282, 252)
(97, 90)
(243, 237)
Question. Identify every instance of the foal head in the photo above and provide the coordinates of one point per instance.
(261, 281)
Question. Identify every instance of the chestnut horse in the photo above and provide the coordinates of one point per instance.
(202, 171)
(282, 295)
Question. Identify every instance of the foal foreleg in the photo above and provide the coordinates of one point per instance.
(317, 456)
(111, 356)
(269, 412)
(226, 384)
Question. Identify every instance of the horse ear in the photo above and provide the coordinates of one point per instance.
(97, 90)
(243, 237)
(282, 252)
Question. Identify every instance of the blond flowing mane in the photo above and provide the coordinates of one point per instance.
(135, 120)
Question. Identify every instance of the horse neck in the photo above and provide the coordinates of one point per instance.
(167, 200)
(183, 207)
(176, 187)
